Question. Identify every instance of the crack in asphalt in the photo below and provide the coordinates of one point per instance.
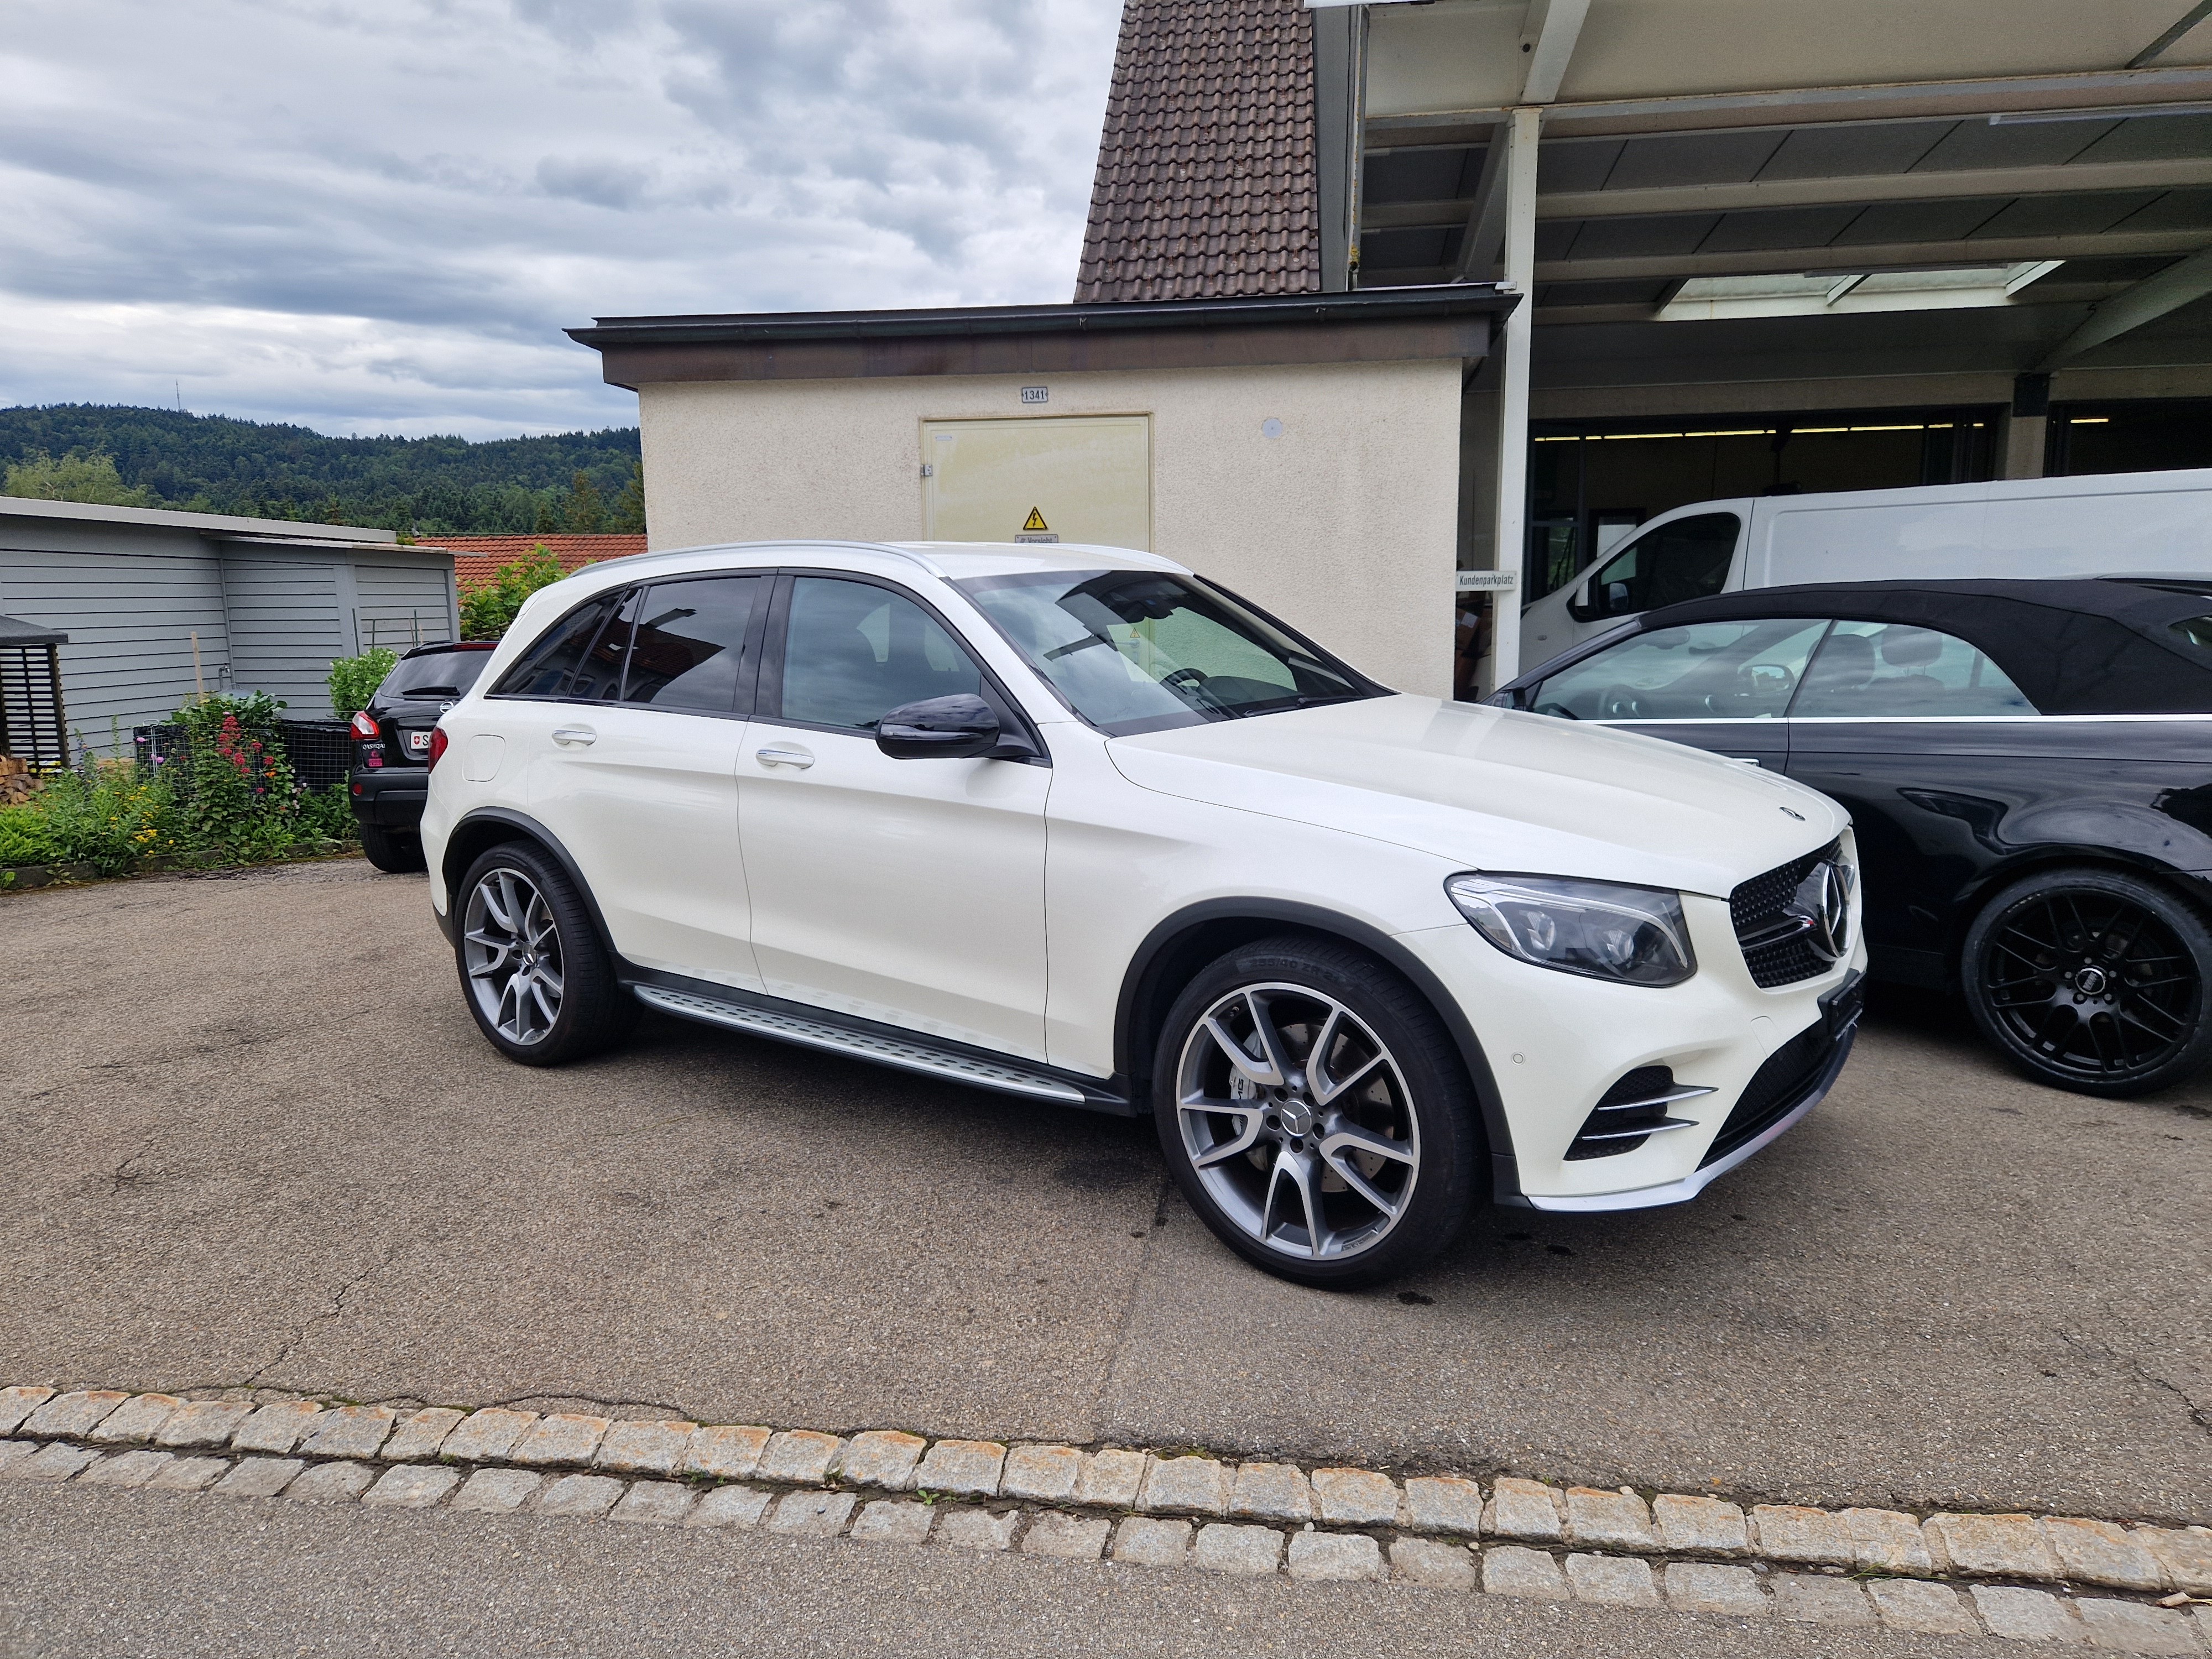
(2199, 1415)
(338, 1307)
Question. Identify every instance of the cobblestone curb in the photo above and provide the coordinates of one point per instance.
(2024, 1576)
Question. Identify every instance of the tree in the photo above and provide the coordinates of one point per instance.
(545, 524)
(487, 612)
(584, 511)
(628, 516)
(79, 476)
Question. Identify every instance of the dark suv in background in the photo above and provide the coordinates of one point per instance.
(392, 747)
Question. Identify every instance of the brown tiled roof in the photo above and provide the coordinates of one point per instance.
(1206, 181)
(478, 559)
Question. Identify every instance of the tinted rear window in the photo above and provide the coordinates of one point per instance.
(439, 673)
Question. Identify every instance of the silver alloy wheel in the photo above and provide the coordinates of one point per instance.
(1298, 1122)
(512, 950)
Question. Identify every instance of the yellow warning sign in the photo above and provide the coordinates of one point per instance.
(1032, 523)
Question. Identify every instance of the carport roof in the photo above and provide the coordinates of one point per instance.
(14, 632)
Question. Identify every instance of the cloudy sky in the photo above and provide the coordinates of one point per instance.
(378, 217)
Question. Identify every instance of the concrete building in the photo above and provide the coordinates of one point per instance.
(158, 604)
(1304, 452)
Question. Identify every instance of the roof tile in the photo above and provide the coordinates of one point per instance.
(1208, 183)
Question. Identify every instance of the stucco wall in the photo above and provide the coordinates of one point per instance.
(1345, 525)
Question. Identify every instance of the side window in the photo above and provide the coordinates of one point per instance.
(544, 669)
(1876, 671)
(1704, 671)
(598, 676)
(1687, 559)
(854, 652)
(690, 643)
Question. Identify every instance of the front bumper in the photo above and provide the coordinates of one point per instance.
(1556, 1044)
(389, 797)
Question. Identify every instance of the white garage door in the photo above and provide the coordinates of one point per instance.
(1074, 478)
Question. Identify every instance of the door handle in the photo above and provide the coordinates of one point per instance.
(574, 737)
(1744, 760)
(800, 759)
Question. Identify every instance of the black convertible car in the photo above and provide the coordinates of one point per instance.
(2028, 769)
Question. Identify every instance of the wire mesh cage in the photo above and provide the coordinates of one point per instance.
(320, 752)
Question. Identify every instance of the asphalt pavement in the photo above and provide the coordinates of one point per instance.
(255, 1140)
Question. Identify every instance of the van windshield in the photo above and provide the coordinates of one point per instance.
(1687, 559)
(1136, 651)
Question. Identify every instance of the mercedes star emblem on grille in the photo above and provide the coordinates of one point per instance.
(1823, 904)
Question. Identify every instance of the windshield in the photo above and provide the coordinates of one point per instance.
(1140, 651)
(434, 674)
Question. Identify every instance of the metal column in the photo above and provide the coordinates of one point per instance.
(1519, 134)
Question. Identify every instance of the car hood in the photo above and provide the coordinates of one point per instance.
(1494, 789)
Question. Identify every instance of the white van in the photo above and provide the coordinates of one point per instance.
(2110, 524)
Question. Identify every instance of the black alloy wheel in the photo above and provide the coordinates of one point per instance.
(536, 977)
(2094, 980)
(392, 851)
(1315, 1113)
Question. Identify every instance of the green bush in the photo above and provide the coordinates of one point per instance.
(487, 612)
(353, 680)
(26, 837)
(105, 815)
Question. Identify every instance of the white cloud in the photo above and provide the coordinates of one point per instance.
(378, 217)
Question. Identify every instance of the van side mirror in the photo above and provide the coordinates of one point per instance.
(958, 727)
(1616, 596)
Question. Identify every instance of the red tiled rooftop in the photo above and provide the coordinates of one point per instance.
(478, 559)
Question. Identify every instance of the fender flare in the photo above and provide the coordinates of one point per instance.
(526, 828)
(1138, 982)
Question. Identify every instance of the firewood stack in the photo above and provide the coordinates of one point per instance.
(18, 783)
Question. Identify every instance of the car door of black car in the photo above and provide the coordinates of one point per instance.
(1934, 751)
(1721, 686)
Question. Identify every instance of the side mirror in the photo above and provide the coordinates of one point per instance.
(939, 728)
(1616, 596)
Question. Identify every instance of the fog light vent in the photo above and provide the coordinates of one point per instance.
(1631, 1111)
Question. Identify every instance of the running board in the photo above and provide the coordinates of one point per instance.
(907, 1055)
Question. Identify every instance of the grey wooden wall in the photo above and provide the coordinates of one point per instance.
(267, 617)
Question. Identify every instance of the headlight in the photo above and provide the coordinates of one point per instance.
(1634, 935)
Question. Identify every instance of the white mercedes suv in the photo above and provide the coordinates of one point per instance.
(1074, 823)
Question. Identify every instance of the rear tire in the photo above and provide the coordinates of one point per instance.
(394, 851)
(1338, 1141)
(540, 985)
(2093, 980)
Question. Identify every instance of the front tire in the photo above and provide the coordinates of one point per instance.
(1315, 1114)
(394, 853)
(539, 981)
(2093, 980)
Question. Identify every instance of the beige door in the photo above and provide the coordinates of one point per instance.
(1074, 478)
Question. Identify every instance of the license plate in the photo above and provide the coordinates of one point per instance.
(418, 743)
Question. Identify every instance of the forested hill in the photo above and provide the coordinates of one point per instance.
(212, 464)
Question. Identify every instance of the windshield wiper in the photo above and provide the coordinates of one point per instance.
(433, 691)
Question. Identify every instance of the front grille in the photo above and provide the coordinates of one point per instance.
(1775, 1089)
(1756, 907)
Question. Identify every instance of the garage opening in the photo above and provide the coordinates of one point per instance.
(1592, 482)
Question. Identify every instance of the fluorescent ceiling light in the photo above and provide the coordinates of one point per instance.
(2033, 118)
(1824, 293)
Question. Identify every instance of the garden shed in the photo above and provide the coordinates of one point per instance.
(157, 605)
